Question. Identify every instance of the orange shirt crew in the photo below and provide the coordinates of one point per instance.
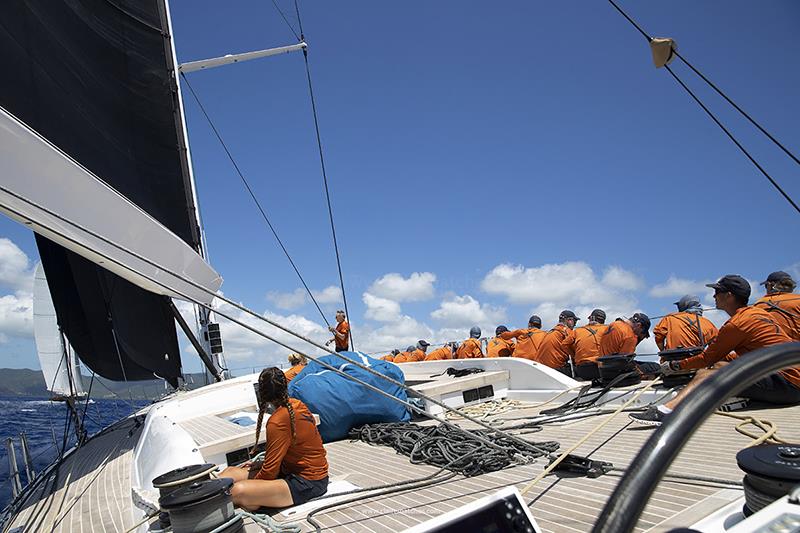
(679, 330)
(585, 341)
(499, 347)
(440, 354)
(750, 328)
(292, 372)
(619, 338)
(528, 341)
(784, 308)
(343, 328)
(469, 349)
(552, 351)
(305, 456)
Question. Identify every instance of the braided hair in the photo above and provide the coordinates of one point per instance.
(272, 389)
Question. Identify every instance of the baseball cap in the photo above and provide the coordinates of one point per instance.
(534, 319)
(423, 343)
(644, 320)
(500, 329)
(776, 276)
(734, 284)
(687, 301)
(566, 313)
(599, 314)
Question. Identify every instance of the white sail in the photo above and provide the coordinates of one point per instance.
(58, 364)
(38, 180)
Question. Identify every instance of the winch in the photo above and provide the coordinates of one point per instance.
(771, 472)
(177, 479)
(612, 367)
(202, 506)
(681, 377)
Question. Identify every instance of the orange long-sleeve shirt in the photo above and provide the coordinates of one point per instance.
(402, 357)
(440, 354)
(585, 341)
(528, 341)
(343, 328)
(388, 357)
(679, 330)
(619, 338)
(784, 307)
(416, 355)
(498, 347)
(553, 352)
(469, 349)
(750, 328)
(292, 372)
(305, 456)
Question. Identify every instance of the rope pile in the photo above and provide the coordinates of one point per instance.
(486, 409)
(458, 451)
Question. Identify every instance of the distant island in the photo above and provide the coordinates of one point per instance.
(27, 383)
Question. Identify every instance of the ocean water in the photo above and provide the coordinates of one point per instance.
(43, 422)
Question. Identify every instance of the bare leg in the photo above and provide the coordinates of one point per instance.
(699, 377)
(251, 494)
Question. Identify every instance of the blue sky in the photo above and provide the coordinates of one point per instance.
(516, 156)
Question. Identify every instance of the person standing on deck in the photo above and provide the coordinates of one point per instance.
(781, 303)
(445, 352)
(685, 329)
(499, 347)
(341, 333)
(298, 363)
(622, 336)
(295, 466)
(528, 340)
(553, 351)
(748, 329)
(418, 354)
(585, 340)
(471, 348)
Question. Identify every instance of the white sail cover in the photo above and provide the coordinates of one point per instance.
(44, 176)
(57, 363)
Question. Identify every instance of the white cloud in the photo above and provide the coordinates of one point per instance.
(465, 311)
(15, 270)
(329, 295)
(16, 315)
(287, 300)
(380, 309)
(393, 286)
(677, 287)
(401, 333)
(619, 278)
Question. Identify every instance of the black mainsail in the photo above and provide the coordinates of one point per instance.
(97, 79)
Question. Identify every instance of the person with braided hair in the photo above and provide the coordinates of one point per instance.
(295, 468)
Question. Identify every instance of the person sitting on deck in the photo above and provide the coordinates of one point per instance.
(585, 340)
(418, 354)
(499, 347)
(341, 333)
(781, 303)
(528, 340)
(622, 336)
(685, 329)
(390, 356)
(471, 348)
(404, 357)
(445, 352)
(298, 363)
(748, 329)
(295, 467)
(553, 351)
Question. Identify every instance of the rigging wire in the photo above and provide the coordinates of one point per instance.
(324, 172)
(283, 16)
(714, 118)
(253, 196)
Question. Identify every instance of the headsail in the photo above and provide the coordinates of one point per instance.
(96, 78)
(59, 364)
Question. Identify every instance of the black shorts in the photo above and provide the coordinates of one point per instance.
(303, 489)
(772, 389)
(340, 349)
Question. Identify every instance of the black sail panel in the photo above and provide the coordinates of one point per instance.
(95, 77)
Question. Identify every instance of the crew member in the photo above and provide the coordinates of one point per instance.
(298, 363)
(553, 351)
(499, 347)
(404, 357)
(781, 303)
(341, 333)
(748, 329)
(623, 335)
(585, 340)
(685, 329)
(445, 352)
(295, 468)
(471, 348)
(528, 339)
(418, 354)
(390, 356)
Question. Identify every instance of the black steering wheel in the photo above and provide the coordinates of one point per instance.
(622, 511)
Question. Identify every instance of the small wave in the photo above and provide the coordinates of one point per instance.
(27, 410)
